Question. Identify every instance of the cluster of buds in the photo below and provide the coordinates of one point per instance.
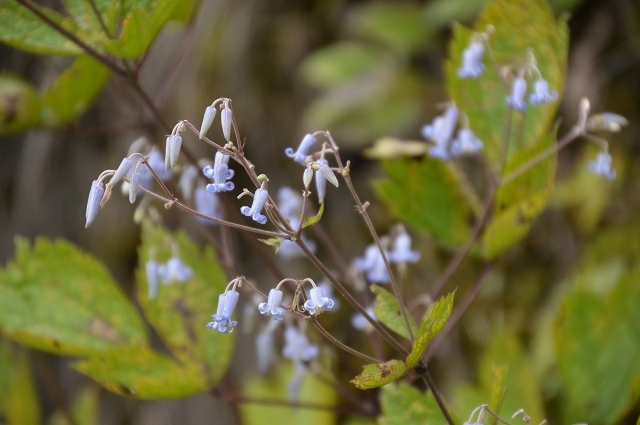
(441, 131)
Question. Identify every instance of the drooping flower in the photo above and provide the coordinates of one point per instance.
(359, 322)
(472, 65)
(272, 306)
(602, 166)
(174, 271)
(372, 264)
(222, 319)
(206, 203)
(259, 199)
(317, 303)
(518, 90)
(220, 173)
(402, 252)
(466, 143)
(541, 93)
(265, 347)
(303, 150)
(440, 132)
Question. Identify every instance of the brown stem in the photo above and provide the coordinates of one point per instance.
(436, 395)
(339, 344)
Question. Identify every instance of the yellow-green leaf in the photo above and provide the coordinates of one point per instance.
(56, 298)
(19, 105)
(403, 404)
(142, 373)
(275, 386)
(73, 91)
(181, 310)
(23, 404)
(378, 374)
(310, 221)
(387, 310)
(433, 320)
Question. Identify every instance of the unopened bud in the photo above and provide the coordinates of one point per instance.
(207, 120)
(133, 186)
(226, 117)
(93, 203)
(307, 176)
(122, 170)
(172, 152)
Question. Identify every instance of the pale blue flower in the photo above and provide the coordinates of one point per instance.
(372, 264)
(303, 150)
(259, 199)
(402, 252)
(518, 91)
(602, 166)
(466, 143)
(174, 271)
(151, 269)
(222, 319)
(220, 173)
(541, 93)
(440, 132)
(472, 65)
(272, 306)
(317, 303)
(207, 203)
(359, 322)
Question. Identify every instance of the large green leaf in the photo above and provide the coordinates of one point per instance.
(430, 195)
(511, 138)
(597, 342)
(403, 404)
(84, 15)
(56, 298)
(387, 310)
(142, 373)
(20, 105)
(181, 311)
(275, 386)
(432, 322)
(74, 90)
(20, 28)
(378, 374)
(143, 20)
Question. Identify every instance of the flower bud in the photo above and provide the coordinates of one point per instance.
(207, 120)
(133, 186)
(122, 170)
(93, 203)
(226, 117)
(172, 152)
(307, 176)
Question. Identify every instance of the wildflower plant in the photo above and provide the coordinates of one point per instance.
(504, 79)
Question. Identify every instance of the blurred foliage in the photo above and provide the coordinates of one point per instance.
(85, 409)
(404, 404)
(19, 402)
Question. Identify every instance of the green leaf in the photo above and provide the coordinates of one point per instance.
(73, 91)
(433, 320)
(142, 373)
(498, 390)
(387, 101)
(275, 386)
(400, 26)
(20, 28)
(378, 374)
(511, 138)
(403, 404)
(85, 409)
(598, 343)
(340, 63)
(387, 310)
(430, 195)
(310, 221)
(180, 311)
(142, 22)
(84, 15)
(56, 298)
(23, 404)
(19, 105)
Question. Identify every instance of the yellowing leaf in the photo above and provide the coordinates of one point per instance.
(433, 320)
(181, 310)
(379, 374)
(387, 310)
(23, 404)
(142, 373)
(310, 221)
(56, 298)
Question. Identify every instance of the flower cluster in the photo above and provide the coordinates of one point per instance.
(441, 132)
